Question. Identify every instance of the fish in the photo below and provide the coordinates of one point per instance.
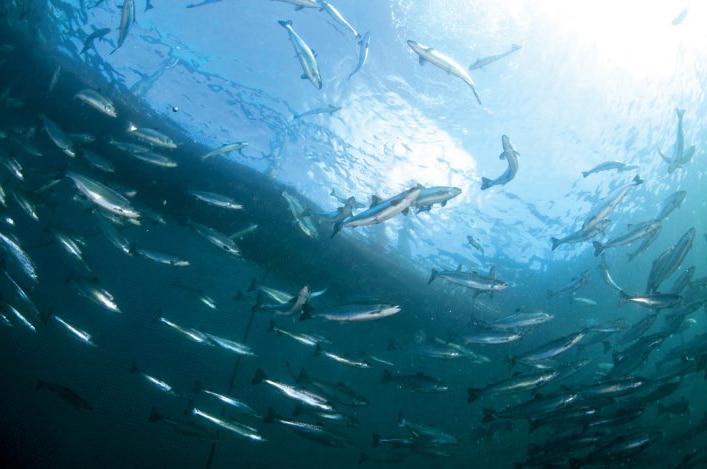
(337, 392)
(305, 55)
(626, 361)
(364, 44)
(473, 242)
(64, 393)
(328, 109)
(636, 232)
(335, 417)
(518, 383)
(538, 406)
(608, 204)
(149, 5)
(683, 280)
(227, 148)
(446, 63)
(492, 337)
(25, 204)
(57, 136)
(186, 428)
(671, 203)
(155, 159)
(81, 335)
(219, 240)
(311, 431)
(681, 407)
(204, 2)
(18, 255)
(103, 196)
(609, 165)
(655, 301)
(647, 242)
(480, 63)
(430, 434)
(581, 235)
(435, 195)
(339, 18)
(151, 136)
(304, 222)
(473, 280)
(575, 284)
(638, 329)
(191, 334)
(618, 451)
(300, 395)
(550, 349)
(54, 79)
(298, 304)
(520, 320)
(230, 345)
(97, 161)
(583, 301)
(89, 288)
(157, 383)
(300, 4)
(97, 101)
(356, 312)
(681, 156)
(19, 316)
(159, 257)
(217, 200)
(511, 156)
(680, 17)
(13, 166)
(127, 18)
(419, 382)
(669, 261)
(238, 429)
(236, 404)
(96, 34)
(310, 340)
(344, 360)
(380, 210)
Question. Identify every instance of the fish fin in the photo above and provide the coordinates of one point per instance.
(502, 156)
(488, 415)
(375, 200)
(155, 416)
(433, 275)
(271, 416)
(422, 61)
(555, 242)
(486, 183)
(387, 376)
(598, 248)
(407, 210)
(285, 23)
(637, 180)
(473, 394)
(259, 376)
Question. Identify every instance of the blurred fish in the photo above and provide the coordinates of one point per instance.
(191, 334)
(329, 109)
(97, 101)
(217, 200)
(473, 280)
(14, 312)
(304, 339)
(446, 63)
(575, 284)
(304, 222)
(638, 329)
(89, 288)
(314, 432)
(681, 407)
(24, 202)
(299, 4)
(636, 232)
(57, 136)
(344, 360)
(473, 242)
(20, 257)
(13, 166)
(550, 349)
(355, 312)
(511, 156)
(655, 301)
(363, 46)
(538, 406)
(669, 261)
(581, 235)
(618, 451)
(238, 429)
(231, 345)
(238, 405)
(96, 34)
(186, 428)
(155, 159)
(339, 18)
(305, 55)
(337, 392)
(158, 383)
(520, 320)
(609, 165)
(419, 382)
(97, 161)
(380, 210)
(517, 383)
(484, 61)
(127, 18)
(608, 204)
(671, 203)
(227, 148)
(680, 17)
(217, 239)
(203, 2)
(333, 417)
(431, 435)
(647, 242)
(683, 280)
(491, 337)
(582, 301)
(159, 257)
(64, 393)
(54, 79)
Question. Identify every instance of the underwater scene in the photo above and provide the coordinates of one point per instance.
(357, 233)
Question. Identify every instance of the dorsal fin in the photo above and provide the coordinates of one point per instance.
(375, 200)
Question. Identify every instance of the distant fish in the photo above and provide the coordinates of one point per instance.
(357, 312)
(669, 261)
(304, 221)
(155, 382)
(446, 63)
(329, 109)
(293, 392)
(609, 165)
(671, 203)
(680, 17)
(305, 55)
(236, 428)
(363, 47)
(519, 383)
(19, 255)
(127, 18)
(575, 284)
(66, 394)
(54, 79)
(656, 301)
(473, 242)
(227, 148)
(484, 61)
(511, 156)
(96, 34)
(81, 335)
(681, 155)
(57, 136)
(473, 280)
(151, 136)
(217, 200)
(419, 382)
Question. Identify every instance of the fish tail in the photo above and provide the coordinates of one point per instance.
(433, 276)
(271, 416)
(259, 376)
(598, 248)
(155, 416)
(197, 387)
(679, 112)
(376, 440)
(623, 297)
(40, 385)
(486, 183)
(476, 95)
(285, 23)
(555, 242)
(337, 227)
(550, 293)
(488, 416)
(473, 394)
(387, 377)
(585, 173)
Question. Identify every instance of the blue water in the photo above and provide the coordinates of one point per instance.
(585, 88)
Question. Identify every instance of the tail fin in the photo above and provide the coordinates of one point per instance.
(488, 416)
(40, 385)
(271, 416)
(271, 326)
(133, 368)
(376, 440)
(598, 248)
(486, 183)
(433, 276)
(387, 377)
(259, 376)
(285, 23)
(197, 387)
(555, 242)
(337, 227)
(585, 173)
(473, 394)
(623, 297)
(302, 377)
(155, 416)
(637, 180)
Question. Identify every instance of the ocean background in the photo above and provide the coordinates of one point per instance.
(593, 82)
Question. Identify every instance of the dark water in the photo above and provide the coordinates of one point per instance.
(40, 429)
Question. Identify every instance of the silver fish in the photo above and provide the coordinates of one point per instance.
(151, 136)
(97, 101)
(358, 312)
(20, 256)
(381, 211)
(227, 148)
(127, 18)
(103, 196)
(639, 231)
(681, 155)
(339, 18)
(156, 382)
(239, 429)
(435, 195)
(484, 61)
(58, 136)
(511, 156)
(446, 63)
(217, 200)
(608, 204)
(81, 335)
(609, 165)
(363, 46)
(305, 55)
(300, 395)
